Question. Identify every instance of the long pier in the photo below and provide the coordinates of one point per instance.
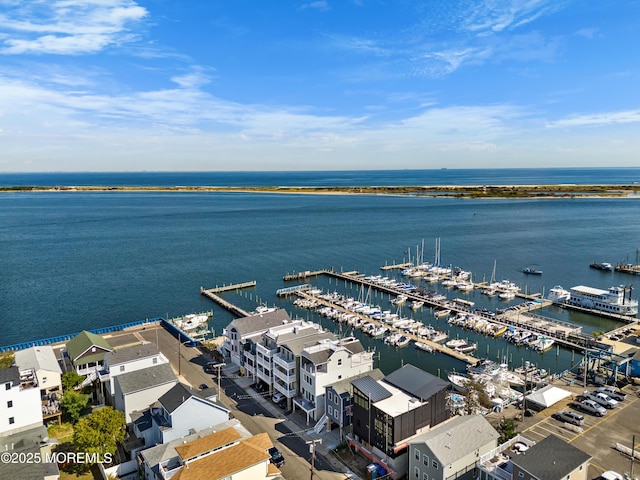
(211, 294)
(230, 287)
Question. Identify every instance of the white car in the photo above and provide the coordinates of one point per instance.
(277, 397)
(611, 475)
(613, 392)
(602, 398)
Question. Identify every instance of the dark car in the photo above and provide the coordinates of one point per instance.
(283, 403)
(276, 457)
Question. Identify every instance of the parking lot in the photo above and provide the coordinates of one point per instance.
(597, 436)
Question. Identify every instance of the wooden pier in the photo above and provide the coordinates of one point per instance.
(397, 266)
(233, 286)
(237, 311)
(303, 275)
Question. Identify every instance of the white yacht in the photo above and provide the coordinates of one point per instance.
(613, 300)
(558, 294)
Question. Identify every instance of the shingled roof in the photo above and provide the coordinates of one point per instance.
(551, 459)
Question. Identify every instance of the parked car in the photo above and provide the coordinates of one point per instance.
(591, 407)
(283, 403)
(278, 397)
(611, 475)
(602, 398)
(613, 392)
(569, 417)
(276, 457)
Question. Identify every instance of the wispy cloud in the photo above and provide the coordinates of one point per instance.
(68, 27)
(598, 119)
(322, 5)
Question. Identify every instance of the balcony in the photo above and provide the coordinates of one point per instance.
(285, 364)
(288, 391)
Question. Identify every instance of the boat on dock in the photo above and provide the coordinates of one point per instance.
(424, 347)
(442, 313)
(466, 347)
(192, 321)
(605, 266)
(416, 304)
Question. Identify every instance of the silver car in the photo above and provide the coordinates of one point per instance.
(601, 398)
(591, 407)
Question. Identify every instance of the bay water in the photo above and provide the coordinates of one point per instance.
(82, 260)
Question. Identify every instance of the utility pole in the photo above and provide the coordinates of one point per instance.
(633, 449)
(312, 448)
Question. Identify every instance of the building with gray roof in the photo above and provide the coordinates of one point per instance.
(551, 459)
(139, 389)
(452, 448)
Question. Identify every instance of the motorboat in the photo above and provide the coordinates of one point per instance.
(424, 346)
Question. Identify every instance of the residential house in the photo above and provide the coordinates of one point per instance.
(42, 360)
(324, 363)
(549, 459)
(126, 360)
(339, 399)
(181, 411)
(225, 451)
(20, 404)
(452, 449)
(86, 352)
(28, 444)
(388, 413)
(138, 389)
(241, 331)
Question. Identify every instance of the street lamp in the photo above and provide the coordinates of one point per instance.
(312, 449)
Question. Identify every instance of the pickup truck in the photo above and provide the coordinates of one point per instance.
(613, 392)
(589, 406)
(601, 398)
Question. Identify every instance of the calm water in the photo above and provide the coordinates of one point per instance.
(73, 261)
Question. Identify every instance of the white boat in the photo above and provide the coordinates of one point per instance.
(191, 321)
(416, 304)
(613, 300)
(507, 295)
(467, 347)
(442, 313)
(543, 344)
(558, 294)
(458, 381)
(403, 341)
(399, 300)
(424, 346)
(455, 342)
(464, 286)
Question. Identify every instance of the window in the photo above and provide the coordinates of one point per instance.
(122, 368)
(417, 454)
(339, 361)
(330, 410)
(416, 472)
(10, 404)
(425, 476)
(7, 386)
(434, 464)
(155, 360)
(339, 377)
(425, 460)
(521, 474)
(12, 420)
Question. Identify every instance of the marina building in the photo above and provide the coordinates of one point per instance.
(451, 450)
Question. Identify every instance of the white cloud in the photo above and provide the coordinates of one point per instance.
(322, 5)
(607, 118)
(68, 27)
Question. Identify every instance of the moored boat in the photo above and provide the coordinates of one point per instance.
(424, 346)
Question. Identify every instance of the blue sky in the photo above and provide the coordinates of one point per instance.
(114, 85)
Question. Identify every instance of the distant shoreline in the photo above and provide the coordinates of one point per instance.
(449, 191)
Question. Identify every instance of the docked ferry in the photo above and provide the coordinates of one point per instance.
(613, 300)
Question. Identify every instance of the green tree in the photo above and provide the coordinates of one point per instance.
(507, 429)
(71, 379)
(100, 432)
(6, 360)
(73, 403)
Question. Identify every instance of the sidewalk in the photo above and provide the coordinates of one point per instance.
(295, 422)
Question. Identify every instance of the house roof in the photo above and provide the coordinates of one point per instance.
(166, 451)
(259, 323)
(129, 354)
(145, 378)
(319, 357)
(457, 437)
(208, 443)
(371, 388)
(83, 342)
(10, 375)
(416, 382)
(229, 460)
(344, 385)
(180, 393)
(299, 342)
(551, 459)
(38, 358)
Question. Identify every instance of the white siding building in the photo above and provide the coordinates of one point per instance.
(138, 390)
(20, 405)
(327, 362)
